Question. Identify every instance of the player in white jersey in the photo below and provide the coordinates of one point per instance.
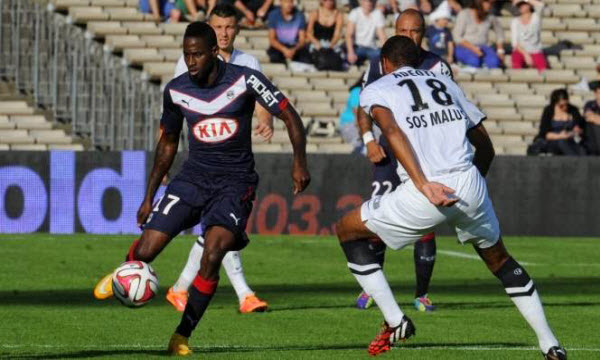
(432, 130)
(223, 21)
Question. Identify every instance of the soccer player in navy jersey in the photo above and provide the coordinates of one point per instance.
(217, 183)
(411, 24)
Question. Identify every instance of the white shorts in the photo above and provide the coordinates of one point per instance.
(401, 217)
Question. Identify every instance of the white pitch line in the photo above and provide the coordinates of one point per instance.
(474, 257)
(255, 347)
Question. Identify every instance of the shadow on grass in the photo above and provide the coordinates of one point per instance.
(250, 349)
(491, 287)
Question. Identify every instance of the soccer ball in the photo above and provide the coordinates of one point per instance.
(134, 283)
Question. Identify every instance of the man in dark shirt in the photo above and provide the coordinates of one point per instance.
(217, 183)
(591, 112)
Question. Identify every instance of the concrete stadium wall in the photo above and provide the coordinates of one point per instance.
(99, 192)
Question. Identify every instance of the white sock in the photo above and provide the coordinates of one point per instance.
(532, 310)
(191, 268)
(377, 286)
(232, 262)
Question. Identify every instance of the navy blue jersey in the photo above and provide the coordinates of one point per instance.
(219, 119)
(429, 61)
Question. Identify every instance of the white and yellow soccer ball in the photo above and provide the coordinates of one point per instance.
(134, 283)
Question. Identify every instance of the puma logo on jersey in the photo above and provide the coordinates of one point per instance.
(236, 219)
(187, 102)
(215, 130)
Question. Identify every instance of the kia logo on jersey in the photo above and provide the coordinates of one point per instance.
(215, 130)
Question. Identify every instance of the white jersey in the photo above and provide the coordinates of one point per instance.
(237, 58)
(433, 113)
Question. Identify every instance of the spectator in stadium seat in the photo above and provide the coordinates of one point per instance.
(525, 31)
(161, 8)
(324, 31)
(253, 13)
(195, 10)
(591, 112)
(562, 125)
(287, 34)
(439, 37)
(348, 124)
(365, 25)
(471, 34)
(429, 6)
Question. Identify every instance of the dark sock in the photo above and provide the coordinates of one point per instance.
(424, 255)
(201, 292)
(378, 247)
(134, 245)
(515, 279)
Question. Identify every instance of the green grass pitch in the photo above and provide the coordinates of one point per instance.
(47, 310)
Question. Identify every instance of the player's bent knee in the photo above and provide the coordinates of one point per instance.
(150, 245)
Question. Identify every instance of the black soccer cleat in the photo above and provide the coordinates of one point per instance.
(390, 335)
(556, 353)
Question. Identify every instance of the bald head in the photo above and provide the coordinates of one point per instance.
(411, 23)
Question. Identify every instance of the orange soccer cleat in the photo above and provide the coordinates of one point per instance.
(252, 303)
(177, 298)
(388, 336)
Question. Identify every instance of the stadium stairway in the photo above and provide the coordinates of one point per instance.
(512, 99)
(22, 127)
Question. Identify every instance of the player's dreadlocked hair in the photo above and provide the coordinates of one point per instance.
(400, 51)
(224, 11)
(203, 31)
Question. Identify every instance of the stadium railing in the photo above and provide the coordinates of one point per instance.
(76, 78)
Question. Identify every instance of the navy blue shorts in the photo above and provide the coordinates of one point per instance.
(385, 177)
(186, 204)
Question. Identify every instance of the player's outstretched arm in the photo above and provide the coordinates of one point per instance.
(300, 175)
(375, 152)
(438, 194)
(163, 159)
(484, 150)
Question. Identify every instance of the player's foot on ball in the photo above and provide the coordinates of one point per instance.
(178, 346)
(103, 289)
(364, 301)
(388, 336)
(556, 353)
(177, 298)
(252, 303)
(423, 303)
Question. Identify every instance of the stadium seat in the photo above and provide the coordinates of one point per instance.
(560, 76)
(328, 84)
(524, 75)
(266, 148)
(486, 100)
(534, 101)
(81, 15)
(29, 147)
(71, 147)
(553, 24)
(15, 137)
(531, 114)
(65, 4)
(171, 55)
(4, 147)
(308, 96)
(156, 70)
(119, 42)
(273, 69)
(512, 88)
(142, 28)
(124, 14)
(50, 136)
(495, 75)
(567, 10)
(318, 109)
(588, 24)
(335, 148)
(100, 29)
(161, 41)
(502, 113)
(139, 56)
(579, 62)
(518, 128)
(5, 124)
(576, 37)
(31, 122)
(291, 83)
